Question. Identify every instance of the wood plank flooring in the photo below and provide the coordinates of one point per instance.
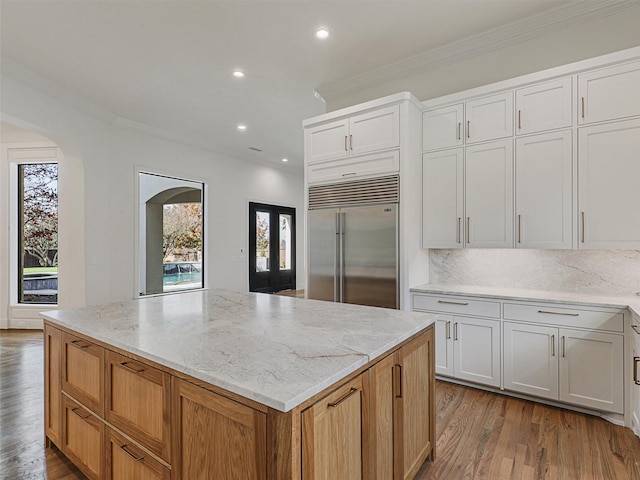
(480, 435)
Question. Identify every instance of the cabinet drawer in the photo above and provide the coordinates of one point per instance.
(83, 372)
(125, 459)
(138, 402)
(457, 305)
(569, 317)
(82, 438)
(354, 167)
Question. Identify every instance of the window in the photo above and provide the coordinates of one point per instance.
(171, 234)
(272, 248)
(38, 233)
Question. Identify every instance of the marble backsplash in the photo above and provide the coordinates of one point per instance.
(606, 272)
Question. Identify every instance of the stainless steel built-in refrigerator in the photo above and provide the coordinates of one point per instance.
(353, 250)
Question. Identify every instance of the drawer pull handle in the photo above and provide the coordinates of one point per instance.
(448, 330)
(130, 368)
(455, 331)
(397, 380)
(636, 361)
(582, 105)
(125, 450)
(459, 229)
(348, 174)
(351, 391)
(553, 345)
(75, 410)
(459, 124)
(453, 303)
(546, 312)
(468, 129)
(636, 328)
(563, 347)
(345, 144)
(79, 344)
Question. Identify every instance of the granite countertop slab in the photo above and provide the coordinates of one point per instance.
(529, 295)
(276, 350)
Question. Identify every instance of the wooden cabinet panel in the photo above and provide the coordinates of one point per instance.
(609, 93)
(414, 432)
(443, 199)
(545, 106)
(442, 127)
(82, 438)
(544, 191)
(53, 384)
(489, 118)
(127, 461)
(608, 193)
(215, 437)
(333, 443)
(83, 372)
(381, 407)
(138, 402)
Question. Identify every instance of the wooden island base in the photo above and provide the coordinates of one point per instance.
(118, 415)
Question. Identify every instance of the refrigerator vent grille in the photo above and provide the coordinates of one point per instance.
(359, 192)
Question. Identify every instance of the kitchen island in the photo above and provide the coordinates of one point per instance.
(220, 384)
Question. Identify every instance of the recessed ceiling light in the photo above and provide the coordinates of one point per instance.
(285, 159)
(322, 33)
(242, 127)
(239, 74)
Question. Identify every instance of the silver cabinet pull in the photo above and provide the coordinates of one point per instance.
(468, 230)
(459, 128)
(453, 303)
(563, 346)
(519, 228)
(636, 361)
(553, 345)
(582, 228)
(351, 391)
(351, 142)
(345, 144)
(582, 106)
(468, 129)
(349, 174)
(547, 312)
(448, 330)
(519, 120)
(458, 230)
(636, 328)
(455, 331)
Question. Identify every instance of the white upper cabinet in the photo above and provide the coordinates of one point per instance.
(443, 127)
(367, 132)
(443, 199)
(489, 118)
(545, 106)
(489, 195)
(544, 186)
(608, 193)
(609, 93)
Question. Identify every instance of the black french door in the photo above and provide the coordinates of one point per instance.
(272, 248)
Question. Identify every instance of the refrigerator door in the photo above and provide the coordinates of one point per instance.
(323, 253)
(369, 238)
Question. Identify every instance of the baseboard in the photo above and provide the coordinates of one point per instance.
(26, 324)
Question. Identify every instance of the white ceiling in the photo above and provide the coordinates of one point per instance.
(166, 65)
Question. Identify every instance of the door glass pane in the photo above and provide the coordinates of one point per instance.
(38, 270)
(285, 242)
(263, 220)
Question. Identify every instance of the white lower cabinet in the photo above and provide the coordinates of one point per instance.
(444, 345)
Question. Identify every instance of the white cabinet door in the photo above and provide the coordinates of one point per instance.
(544, 186)
(376, 130)
(531, 359)
(545, 106)
(443, 199)
(609, 93)
(443, 127)
(489, 118)
(608, 193)
(489, 195)
(444, 345)
(592, 370)
(476, 350)
(327, 141)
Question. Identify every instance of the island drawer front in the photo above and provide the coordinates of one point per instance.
(125, 459)
(566, 317)
(148, 418)
(456, 305)
(82, 438)
(83, 372)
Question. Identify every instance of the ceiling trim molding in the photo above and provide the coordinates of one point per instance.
(531, 27)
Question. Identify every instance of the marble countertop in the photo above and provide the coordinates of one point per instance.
(276, 350)
(524, 294)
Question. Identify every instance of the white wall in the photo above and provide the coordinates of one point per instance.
(578, 42)
(99, 175)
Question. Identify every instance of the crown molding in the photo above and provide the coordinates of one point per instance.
(534, 26)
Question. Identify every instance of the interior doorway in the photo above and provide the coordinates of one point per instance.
(272, 248)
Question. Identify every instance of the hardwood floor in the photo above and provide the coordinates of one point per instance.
(480, 435)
